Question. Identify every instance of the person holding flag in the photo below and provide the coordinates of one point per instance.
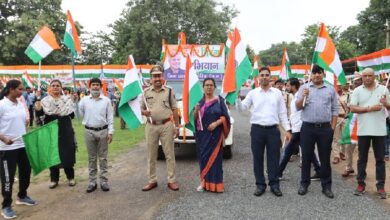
(98, 119)
(370, 101)
(159, 106)
(319, 118)
(212, 125)
(60, 107)
(13, 120)
(268, 110)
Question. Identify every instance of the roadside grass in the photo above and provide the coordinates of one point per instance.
(123, 140)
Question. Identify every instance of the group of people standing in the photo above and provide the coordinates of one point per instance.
(14, 121)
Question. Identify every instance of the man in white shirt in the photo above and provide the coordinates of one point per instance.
(98, 120)
(268, 110)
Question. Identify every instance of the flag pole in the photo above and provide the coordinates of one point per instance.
(73, 73)
(39, 76)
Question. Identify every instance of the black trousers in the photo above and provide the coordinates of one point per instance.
(31, 112)
(55, 173)
(9, 159)
(322, 136)
(364, 143)
(261, 139)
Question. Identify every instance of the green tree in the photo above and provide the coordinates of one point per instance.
(273, 56)
(250, 52)
(144, 23)
(97, 48)
(372, 25)
(20, 21)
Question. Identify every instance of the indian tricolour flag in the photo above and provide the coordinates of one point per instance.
(71, 39)
(238, 67)
(42, 45)
(130, 106)
(349, 135)
(379, 61)
(326, 56)
(192, 94)
(285, 72)
(27, 81)
(162, 55)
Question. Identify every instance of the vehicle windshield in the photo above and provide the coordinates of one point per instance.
(178, 88)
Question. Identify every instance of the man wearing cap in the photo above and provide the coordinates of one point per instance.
(319, 117)
(159, 108)
(350, 148)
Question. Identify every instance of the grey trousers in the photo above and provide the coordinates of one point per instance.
(97, 147)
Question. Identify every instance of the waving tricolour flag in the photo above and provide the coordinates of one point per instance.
(327, 57)
(130, 106)
(285, 72)
(71, 39)
(192, 94)
(42, 45)
(238, 67)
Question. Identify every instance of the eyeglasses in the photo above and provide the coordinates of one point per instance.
(264, 75)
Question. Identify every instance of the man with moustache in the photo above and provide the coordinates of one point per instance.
(98, 119)
(319, 118)
(159, 108)
(268, 110)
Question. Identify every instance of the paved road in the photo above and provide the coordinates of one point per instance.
(127, 201)
(238, 202)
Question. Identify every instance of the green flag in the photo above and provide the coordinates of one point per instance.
(42, 147)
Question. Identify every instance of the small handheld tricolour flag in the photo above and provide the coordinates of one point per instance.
(238, 67)
(285, 72)
(327, 57)
(42, 45)
(71, 39)
(129, 105)
(192, 94)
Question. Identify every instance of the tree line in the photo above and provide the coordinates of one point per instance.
(144, 23)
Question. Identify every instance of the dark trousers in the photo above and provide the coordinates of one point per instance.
(9, 159)
(322, 136)
(290, 149)
(55, 173)
(266, 138)
(364, 143)
(31, 112)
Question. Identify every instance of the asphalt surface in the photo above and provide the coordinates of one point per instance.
(125, 200)
(238, 202)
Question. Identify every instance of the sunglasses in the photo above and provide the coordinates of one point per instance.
(264, 75)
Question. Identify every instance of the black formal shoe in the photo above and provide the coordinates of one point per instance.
(259, 192)
(302, 190)
(328, 193)
(91, 188)
(105, 187)
(277, 192)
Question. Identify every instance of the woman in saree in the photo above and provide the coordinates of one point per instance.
(60, 107)
(212, 126)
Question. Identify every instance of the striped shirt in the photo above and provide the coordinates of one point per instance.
(321, 104)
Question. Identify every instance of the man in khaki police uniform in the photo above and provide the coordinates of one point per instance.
(339, 149)
(159, 108)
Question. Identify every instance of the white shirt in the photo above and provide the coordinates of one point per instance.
(97, 113)
(13, 118)
(268, 107)
(295, 116)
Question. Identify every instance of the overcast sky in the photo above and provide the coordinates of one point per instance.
(261, 22)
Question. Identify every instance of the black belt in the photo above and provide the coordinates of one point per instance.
(96, 129)
(265, 126)
(317, 125)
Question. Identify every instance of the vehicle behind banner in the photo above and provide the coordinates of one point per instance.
(209, 62)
